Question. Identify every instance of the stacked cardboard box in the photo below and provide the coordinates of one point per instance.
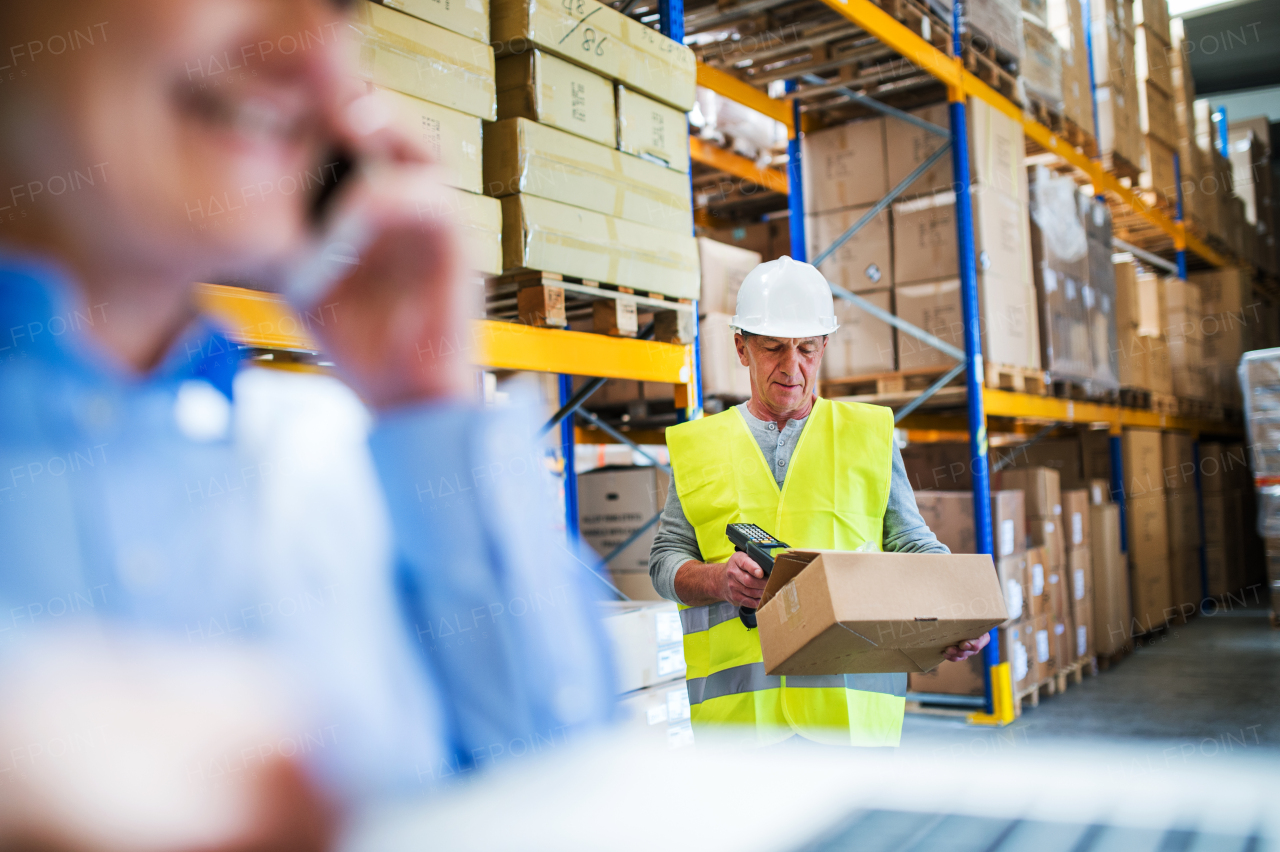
(771, 239)
(1250, 154)
(659, 715)
(1112, 614)
(1141, 345)
(1041, 70)
(1183, 514)
(648, 653)
(1079, 575)
(1156, 98)
(1147, 524)
(1048, 585)
(949, 515)
(1228, 321)
(723, 269)
(1071, 237)
(614, 502)
(1183, 326)
(926, 287)
(1192, 160)
(1116, 82)
(436, 70)
(1066, 22)
(1225, 528)
(590, 152)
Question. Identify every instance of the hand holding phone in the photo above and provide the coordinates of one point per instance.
(387, 267)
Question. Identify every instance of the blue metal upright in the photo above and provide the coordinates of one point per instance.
(795, 185)
(1086, 12)
(972, 337)
(570, 472)
(1117, 489)
(1223, 142)
(671, 24)
(1182, 249)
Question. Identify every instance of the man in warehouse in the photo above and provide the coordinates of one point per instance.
(817, 474)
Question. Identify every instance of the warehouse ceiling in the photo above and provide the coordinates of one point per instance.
(1234, 46)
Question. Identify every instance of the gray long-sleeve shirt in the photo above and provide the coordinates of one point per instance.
(676, 543)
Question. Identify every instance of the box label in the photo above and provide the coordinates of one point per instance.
(1037, 580)
(668, 628)
(1078, 583)
(670, 661)
(1021, 665)
(1013, 597)
(1082, 640)
(678, 704)
(1077, 528)
(1042, 646)
(1006, 537)
(656, 715)
(679, 736)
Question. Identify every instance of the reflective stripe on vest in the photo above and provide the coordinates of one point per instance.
(834, 497)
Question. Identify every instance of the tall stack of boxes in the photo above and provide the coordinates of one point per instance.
(1250, 155)
(1079, 576)
(1220, 465)
(1227, 325)
(1156, 113)
(1048, 586)
(589, 155)
(724, 267)
(1141, 346)
(1041, 71)
(1196, 206)
(949, 515)
(434, 63)
(1184, 331)
(648, 654)
(1066, 23)
(1148, 527)
(1112, 614)
(926, 286)
(1183, 519)
(846, 172)
(1071, 247)
(1116, 83)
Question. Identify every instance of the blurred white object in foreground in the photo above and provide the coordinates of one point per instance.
(985, 795)
(120, 742)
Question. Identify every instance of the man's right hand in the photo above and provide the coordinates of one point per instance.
(743, 582)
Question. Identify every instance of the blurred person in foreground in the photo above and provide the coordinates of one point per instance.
(383, 538)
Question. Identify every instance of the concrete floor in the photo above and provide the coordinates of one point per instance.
(1215, 679)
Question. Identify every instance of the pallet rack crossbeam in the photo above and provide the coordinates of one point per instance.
(622, 439)
(1145, 256)
(872, 103)
(879, 206)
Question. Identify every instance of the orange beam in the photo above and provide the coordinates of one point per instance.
(736, 165)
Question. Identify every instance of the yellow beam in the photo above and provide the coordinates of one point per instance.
(257, 319)
(1000, 403)
(746, 94)
(950, 72)
(511, 346)
(265, 321)
(736, 165)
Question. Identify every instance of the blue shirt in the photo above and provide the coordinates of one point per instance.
(402, 571)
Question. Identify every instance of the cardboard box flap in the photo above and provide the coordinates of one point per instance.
(785, 567)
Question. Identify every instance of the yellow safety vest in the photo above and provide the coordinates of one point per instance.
(833, 498)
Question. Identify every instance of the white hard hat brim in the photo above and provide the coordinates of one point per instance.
(783, 328)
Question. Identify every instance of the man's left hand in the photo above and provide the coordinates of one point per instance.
(966, 649)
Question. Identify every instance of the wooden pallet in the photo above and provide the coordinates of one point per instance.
(1119, 166)
(1106, 661)
(1149, 400)
(884, 384)
(989, 71)
(1200, 408)
(1055, 683)
(1071, 389)
(1062, 126)
(551, 300)
(1018, 379)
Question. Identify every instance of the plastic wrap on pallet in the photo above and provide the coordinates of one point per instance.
(1260, 381)
(1060, 253)
(1100, 293)
(996, 26)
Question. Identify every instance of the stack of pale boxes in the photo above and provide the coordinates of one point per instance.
(648, 653)
(1045, 555)
(586, 160)
(905, 259)
(1116, 84)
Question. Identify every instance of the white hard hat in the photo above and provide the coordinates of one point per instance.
(785, 298)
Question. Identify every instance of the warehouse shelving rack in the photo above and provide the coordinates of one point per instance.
(985, 406)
